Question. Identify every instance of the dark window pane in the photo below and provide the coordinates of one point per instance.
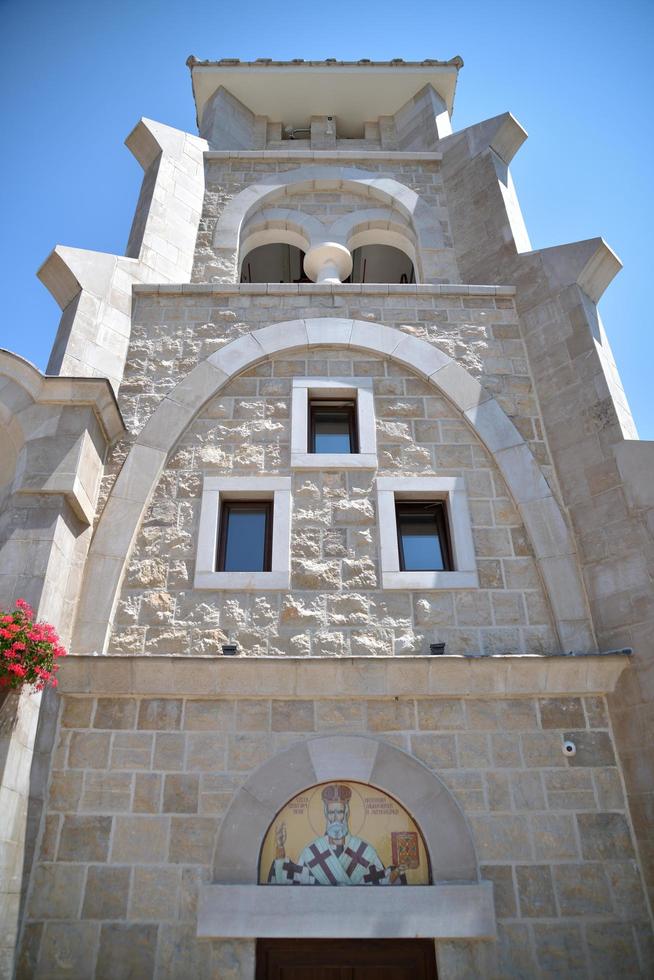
(332, 428)
(422, 537)
(244, 535)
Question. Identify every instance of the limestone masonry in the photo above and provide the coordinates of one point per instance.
(328, 240)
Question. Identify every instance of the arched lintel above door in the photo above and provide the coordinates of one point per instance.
(357, 758)
(457, 905)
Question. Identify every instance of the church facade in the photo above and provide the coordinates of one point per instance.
(333, 493)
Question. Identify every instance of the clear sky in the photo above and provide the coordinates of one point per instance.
(76, 75)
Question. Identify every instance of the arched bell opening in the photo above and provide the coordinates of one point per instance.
(381, 263)
(274, 262)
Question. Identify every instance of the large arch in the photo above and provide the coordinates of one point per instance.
(359, 758)
(272, 225)
(541, 514)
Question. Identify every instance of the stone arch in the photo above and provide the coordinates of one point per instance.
(387, 190)
(371, 226)
(272, 225)
(540, 512)
(374, 220)
(358, 758)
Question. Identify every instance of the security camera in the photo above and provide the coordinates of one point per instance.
(569, 748)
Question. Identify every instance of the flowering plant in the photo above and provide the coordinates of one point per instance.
(28, 651)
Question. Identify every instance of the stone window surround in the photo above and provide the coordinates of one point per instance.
(450, 489)
(360, 389)
(277, 488)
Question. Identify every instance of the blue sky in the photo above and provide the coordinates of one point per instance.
(76, 76)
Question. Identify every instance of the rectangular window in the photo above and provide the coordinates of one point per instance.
(332, 426)
(245, 536)
(422, 535)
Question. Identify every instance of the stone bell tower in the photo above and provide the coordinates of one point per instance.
(332, 490)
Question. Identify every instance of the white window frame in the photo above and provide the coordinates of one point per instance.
(215, 488)
(357, 389)
(448, 489)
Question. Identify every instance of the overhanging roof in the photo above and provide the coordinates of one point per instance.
(292, 91)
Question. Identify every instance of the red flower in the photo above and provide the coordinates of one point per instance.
(26, 608)
(28, 650)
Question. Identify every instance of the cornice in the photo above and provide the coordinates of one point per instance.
(444, 676)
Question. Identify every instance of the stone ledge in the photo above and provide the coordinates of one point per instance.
(411, 911)
(67, 390)
(392, 156)
(315, 288)
(328, 677)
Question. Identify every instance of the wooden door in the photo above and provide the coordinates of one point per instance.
(346, 959)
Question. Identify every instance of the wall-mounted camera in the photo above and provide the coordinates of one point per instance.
(569, 748)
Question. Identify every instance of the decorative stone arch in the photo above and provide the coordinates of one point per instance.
(356, 758)
(540, 512)
(272, 225)
(378, 226)
(456, 905)
(372, 226)
(389, 191)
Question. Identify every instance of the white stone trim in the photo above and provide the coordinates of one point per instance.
(464, 911)
(392, 156)
(215, 488)
(452, 491)
(358, 388)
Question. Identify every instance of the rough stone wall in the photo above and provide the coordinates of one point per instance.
(335, 606)
(139, 786)
(171, 334)
(588, 430)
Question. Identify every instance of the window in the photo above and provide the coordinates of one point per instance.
(332, 427)
(422, 536)
(333, 424)
(425, 534)
(244, 538)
